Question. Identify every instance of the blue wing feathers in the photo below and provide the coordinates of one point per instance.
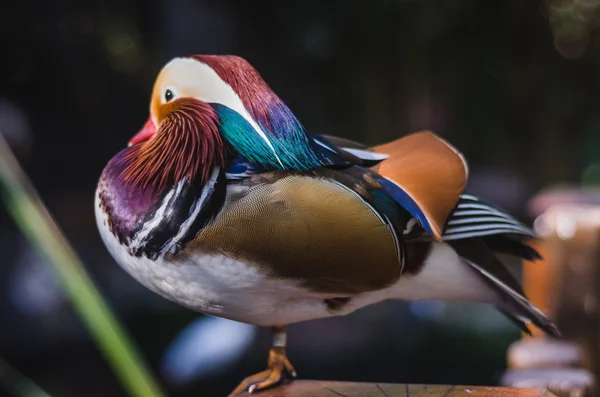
(256, 157)
(402, 198)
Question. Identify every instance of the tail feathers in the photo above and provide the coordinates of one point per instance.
(516, 321)
(506, 245)
(515, 306)
(510, 298)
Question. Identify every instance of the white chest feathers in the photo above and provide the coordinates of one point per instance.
(226, 287)
(218, 285)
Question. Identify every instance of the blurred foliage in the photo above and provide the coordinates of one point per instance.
(31, 216)
(18, 385)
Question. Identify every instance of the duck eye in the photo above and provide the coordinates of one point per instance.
(169, 96)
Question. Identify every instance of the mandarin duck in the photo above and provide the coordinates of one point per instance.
(225, 204)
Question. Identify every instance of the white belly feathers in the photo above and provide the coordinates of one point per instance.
(218, 285)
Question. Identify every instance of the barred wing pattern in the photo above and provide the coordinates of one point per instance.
(476, 218)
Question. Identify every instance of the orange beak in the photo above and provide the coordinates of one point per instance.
(145, 133)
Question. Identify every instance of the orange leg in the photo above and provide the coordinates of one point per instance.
(277, 366)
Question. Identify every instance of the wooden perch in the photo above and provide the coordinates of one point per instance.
(313, 388)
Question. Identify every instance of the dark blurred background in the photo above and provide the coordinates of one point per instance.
(513, 84)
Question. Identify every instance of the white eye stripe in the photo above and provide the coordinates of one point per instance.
(188, 73)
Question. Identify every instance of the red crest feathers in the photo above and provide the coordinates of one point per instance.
(255, 93)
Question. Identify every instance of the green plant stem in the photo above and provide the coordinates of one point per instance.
(30, 214)
(17, 384)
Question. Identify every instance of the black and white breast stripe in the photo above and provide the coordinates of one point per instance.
(182, 212)
(476, 218)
